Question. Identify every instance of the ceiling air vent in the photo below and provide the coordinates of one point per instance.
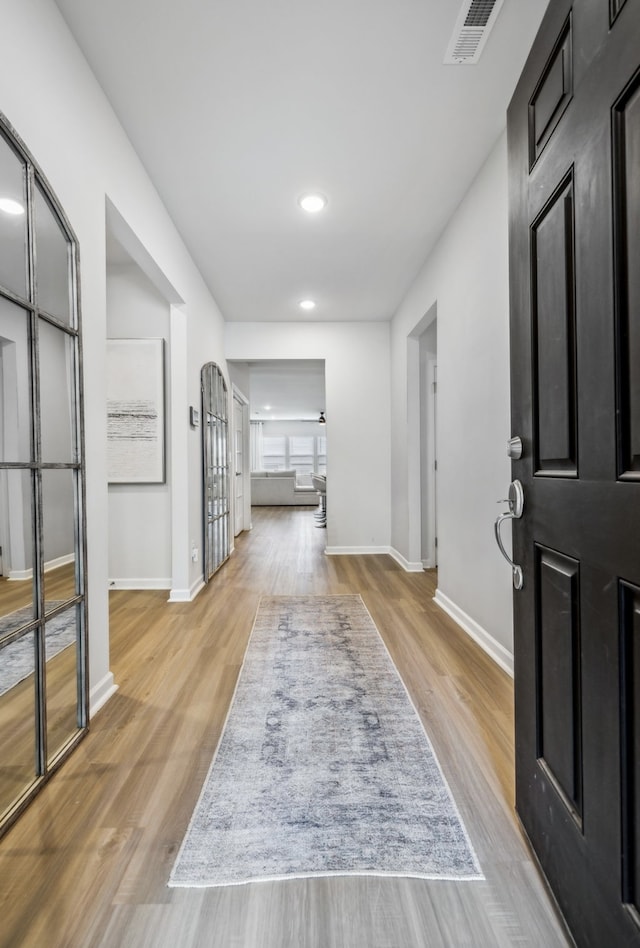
(474, 23)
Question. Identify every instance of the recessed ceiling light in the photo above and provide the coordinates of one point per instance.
(267, 407)
(307, 304)
(313, 202)
(9, 206)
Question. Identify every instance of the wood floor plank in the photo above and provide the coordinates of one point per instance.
(88, 862)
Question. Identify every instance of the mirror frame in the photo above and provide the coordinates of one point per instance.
(46, 764)
(215, 457)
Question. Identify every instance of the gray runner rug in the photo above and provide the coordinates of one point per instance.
(17, 659)
(323, 767)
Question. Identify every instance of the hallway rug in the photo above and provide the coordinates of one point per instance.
(17, 658)
(324, 767)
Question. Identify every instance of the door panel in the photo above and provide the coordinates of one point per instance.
(616, 7)
(552, 95)
(574, 156)
(630, 648)
(558, 671)
(553, 281)
(626, 118)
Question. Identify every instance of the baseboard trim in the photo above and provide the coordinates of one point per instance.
(140, 583)
(375, 550)
(101, 693)
(19, 575)
(485, 640)
(59, 561)
(187, 595)
(356, 550)
(406, 564)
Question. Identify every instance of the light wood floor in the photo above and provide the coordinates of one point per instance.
(88, 863)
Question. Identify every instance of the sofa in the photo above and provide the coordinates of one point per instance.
(279, 489)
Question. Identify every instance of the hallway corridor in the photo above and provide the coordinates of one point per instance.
(87, 864)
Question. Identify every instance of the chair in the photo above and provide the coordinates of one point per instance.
(319, 481)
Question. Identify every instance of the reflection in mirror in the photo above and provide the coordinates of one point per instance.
(58, 535)
(211, 542)
(15, 384)
(16, 546)
(56, 354)
(13, 221)
(53, 255)
(210, 474)
(61, 652)
(17, 719)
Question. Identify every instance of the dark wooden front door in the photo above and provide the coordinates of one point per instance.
(574, 153)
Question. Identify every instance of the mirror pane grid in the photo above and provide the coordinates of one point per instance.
(17, 596)
(59, 536)
(13, 221)
(53, 270)
(61, 656)
(17, 719)
(15, 383)
(215, 452)
(56, 370)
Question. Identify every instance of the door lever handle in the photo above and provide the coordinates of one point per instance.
(516, 509)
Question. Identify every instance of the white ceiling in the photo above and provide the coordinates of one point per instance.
(284, 390)
(238, 106)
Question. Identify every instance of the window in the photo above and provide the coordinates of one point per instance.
(300, 453)
(274, 454)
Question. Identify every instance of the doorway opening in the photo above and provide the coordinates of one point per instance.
(148, 515)
(288, 442)
(241, 472)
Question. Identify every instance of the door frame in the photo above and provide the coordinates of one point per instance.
(429, 434)
(415, 428)
(240, 399)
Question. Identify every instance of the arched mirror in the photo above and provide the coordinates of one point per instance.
(43, 635)
(215, 452)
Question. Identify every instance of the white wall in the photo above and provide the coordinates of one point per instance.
(140, 514)
(56, 106)
(358, 417)
(240, 375)
(467, 277)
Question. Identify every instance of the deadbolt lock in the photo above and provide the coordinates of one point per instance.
(514, 448)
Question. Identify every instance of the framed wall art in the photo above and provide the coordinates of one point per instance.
(135, 411)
